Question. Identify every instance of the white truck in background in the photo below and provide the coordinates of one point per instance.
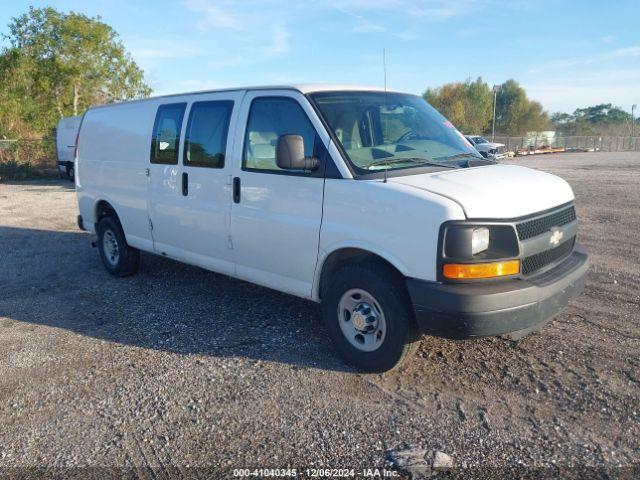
(66, 136)
(491, 150)
(366, 201)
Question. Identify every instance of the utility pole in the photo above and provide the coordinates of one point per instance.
(496, 88)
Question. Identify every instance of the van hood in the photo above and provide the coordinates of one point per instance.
(494, 191)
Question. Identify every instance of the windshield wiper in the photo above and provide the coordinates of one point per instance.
(420, 161)
(472, 160)
(461, 155)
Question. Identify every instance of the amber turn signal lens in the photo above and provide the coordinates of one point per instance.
(481, 270)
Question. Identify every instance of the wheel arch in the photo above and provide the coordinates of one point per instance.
(343, 255)
(104, 208)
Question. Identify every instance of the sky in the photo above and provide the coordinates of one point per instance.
(566, 54)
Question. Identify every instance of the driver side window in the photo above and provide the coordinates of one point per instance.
(269, 118)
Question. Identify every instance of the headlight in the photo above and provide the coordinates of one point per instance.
(464, 241)
(479, 240)
(478, 251)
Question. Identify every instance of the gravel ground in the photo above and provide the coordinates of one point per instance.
(177, 369)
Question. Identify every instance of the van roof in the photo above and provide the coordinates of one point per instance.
(302, 88)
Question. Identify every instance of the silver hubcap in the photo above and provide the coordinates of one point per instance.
(361, 320)
(110, 247)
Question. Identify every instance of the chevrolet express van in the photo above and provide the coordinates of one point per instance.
(366, 201)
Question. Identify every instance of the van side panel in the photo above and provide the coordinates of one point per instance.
(113, 155)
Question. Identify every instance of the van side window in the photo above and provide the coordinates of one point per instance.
(206, 137)
(269, 118)
(165, 141)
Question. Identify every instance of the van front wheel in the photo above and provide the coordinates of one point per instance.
(117, 257)
(367, 313)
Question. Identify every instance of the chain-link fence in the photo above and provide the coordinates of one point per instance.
(581, 143)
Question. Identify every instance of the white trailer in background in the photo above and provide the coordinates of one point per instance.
(66, 134)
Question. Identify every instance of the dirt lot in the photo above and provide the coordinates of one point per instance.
(178, 367)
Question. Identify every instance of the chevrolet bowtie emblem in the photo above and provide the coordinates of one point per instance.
(556, 236)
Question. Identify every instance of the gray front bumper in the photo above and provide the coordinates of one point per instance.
(493, 308)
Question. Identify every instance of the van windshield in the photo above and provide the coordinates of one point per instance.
(379, 131)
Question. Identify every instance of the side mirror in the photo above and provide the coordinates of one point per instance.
(290, 154)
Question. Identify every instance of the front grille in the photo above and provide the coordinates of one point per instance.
(533, 228)
(540, 260)
(500, 150)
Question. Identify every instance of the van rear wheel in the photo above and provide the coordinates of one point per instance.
(71, 172)
(117, 256)
(368, 316)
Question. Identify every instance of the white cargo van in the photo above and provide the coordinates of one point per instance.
(66, 134)
(367, 201)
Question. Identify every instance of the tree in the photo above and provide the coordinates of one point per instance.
(468, 105)
(15, 101)
(58, 65)
(515, 113)
(603, 113)
(480, 106)
(603, 119)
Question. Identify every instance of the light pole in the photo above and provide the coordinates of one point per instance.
(496, 88)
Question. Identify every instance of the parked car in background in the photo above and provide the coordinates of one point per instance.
(490, 150)
(66, 134)
(364, 200)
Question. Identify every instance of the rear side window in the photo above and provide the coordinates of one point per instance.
(206, 137)
(166, 133)
(269, 118)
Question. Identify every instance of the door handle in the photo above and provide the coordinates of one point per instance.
(185, 183)
(236, 189)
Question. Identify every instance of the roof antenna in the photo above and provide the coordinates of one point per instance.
(384, 69)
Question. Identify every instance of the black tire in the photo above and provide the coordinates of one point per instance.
(127, 260)
(389, 291)
(71, 172)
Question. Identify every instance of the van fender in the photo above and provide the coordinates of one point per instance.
(323, 255)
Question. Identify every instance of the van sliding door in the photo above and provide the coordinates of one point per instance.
(205, 190)
(190, 196)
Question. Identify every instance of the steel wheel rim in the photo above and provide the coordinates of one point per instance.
(110, 247)
(362, 320)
